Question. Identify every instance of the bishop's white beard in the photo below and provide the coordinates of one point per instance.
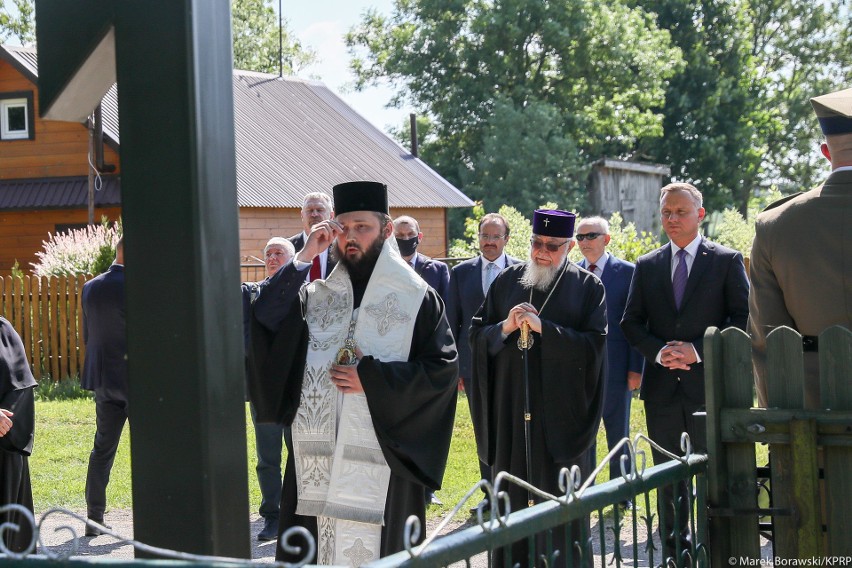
(540, 277)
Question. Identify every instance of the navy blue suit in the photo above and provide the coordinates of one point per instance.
(463, 301)
(105, 372)
(267, 436)
(298, 241)
(435, 273)
(716, 295)
(621, 358)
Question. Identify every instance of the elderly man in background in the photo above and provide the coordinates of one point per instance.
(267, 436)
(565, 310)
(800, 270)
(624, 364)
(317, 207)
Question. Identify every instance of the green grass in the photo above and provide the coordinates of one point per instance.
(65, 431)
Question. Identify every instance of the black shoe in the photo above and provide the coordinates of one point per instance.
(627, 504)
(485, 505)
(432, 499)
(270, 530)
(92, 530)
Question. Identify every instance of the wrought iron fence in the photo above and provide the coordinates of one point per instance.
(617, 535)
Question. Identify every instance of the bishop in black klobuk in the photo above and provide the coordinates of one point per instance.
(565, 309)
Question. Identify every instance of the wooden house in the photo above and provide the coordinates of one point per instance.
(292, 137)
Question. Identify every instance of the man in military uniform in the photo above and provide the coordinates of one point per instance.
(800, 272)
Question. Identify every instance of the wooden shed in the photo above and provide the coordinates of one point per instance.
(631, 188)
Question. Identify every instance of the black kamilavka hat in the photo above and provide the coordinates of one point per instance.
(360, 196)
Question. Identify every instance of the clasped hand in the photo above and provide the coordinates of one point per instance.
(346, 378)
(522, 313)
(678, 355)
(5, 421)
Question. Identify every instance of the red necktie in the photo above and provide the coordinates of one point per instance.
(316, 269)
(592, 268)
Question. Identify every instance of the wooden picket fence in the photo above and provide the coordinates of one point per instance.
(810, 450)
(46, 312)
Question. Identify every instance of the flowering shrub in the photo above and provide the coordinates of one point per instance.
(90, 250)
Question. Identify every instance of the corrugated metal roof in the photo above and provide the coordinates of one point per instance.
(295, 136)
(57, 193)
(24, 59)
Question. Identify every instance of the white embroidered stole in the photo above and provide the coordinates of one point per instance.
(342, 476)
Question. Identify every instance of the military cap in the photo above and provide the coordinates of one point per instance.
(834, 112)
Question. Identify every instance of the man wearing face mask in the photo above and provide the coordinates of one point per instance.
(408, 236)
(434, 272)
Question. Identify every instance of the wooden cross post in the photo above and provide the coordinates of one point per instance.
(172, 60)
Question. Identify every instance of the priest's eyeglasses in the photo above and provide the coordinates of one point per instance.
(551, 247)
(591, 236)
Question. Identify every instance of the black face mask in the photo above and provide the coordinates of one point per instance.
(407, 247)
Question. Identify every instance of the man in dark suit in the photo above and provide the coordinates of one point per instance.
(677, 292)
(408, 236)
(267, 436)
(105, 373)
(469, 281)
(624, 364)
(316, 207)
(434, 272)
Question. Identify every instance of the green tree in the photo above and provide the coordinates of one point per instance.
(522, 94)
(737, 116)
(254, 27)
(18, 24)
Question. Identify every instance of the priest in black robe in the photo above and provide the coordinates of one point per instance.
(411, 400)
(17, 424)
(564, 307)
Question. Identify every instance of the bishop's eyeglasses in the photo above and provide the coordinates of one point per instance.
(551, 247)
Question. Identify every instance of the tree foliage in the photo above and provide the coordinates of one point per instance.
(18, 24)
(521, 94)
(737, 116)
(254, 27)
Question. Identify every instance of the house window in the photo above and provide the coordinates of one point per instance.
(16, 116)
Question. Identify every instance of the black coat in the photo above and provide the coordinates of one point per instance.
(566, 372)
(463, 301)
(104, 331)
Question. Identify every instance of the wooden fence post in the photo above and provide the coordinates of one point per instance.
(785, 389)
(729, 384)
(835, 363)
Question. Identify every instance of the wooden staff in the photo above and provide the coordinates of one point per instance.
(525, 345)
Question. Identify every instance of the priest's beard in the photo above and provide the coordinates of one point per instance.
(360, 269)
(540, 277)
